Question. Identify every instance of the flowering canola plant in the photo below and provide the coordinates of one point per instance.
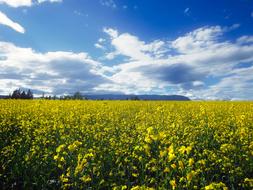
(126, 145)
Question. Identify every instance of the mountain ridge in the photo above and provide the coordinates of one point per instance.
(133, 96)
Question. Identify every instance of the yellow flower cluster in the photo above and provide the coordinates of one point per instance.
(124, 145)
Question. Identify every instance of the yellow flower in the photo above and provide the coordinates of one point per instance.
(166, 170)
(171, 149)
(191, 162)
(171, 156)
(162, 153)
(188, 149)
(56, 157)
(181, 164)
(64, 179)
(136, 188)
(214, 186)
(148, 139)
(85, 178)
(150, 130)
(72, 147)
(182, 149)
(174, 166)
(173, 184)
(190, 175)
(62, 159)
(60, 148)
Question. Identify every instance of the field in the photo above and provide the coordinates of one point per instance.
(126, 145)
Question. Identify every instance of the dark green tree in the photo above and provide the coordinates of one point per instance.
(77, 96)
(22, 94)
(16, 94)
(29, 94)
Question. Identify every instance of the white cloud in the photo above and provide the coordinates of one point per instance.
(234, 26)
(51, 1)
(199, 64)
(237, 86)
(198, 83)
(111, 32)
(111, 55)
(17, 3)
(99, 46)
(53, 72)
(101, 40)
(108, 3)
(185, 65)
(4, 20)
(100, 43)
(130, 46)
(205, 37)
(245, 39)
(26, 3)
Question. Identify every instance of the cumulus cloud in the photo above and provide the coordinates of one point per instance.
(130, 46)
(195, 41)
(4, 20)
(236, 86)
(198, 64)
(26, 3)
(52, 72)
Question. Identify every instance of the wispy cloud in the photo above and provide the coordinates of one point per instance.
(100, 43)
(26, 3)
(108, 3)
(97, 45)
(187, 11)
(79, 13)
(4, 20)
(51, 1)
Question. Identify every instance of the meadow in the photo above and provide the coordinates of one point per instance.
(126, 145)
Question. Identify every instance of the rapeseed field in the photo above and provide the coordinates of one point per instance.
(126, 145)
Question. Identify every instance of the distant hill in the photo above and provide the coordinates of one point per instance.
(128, 97)
(4, 97)
(140, 97)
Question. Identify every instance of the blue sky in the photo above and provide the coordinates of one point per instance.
(201, 49)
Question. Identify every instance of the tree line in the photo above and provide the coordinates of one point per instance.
(21, 94)
(28, 94)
